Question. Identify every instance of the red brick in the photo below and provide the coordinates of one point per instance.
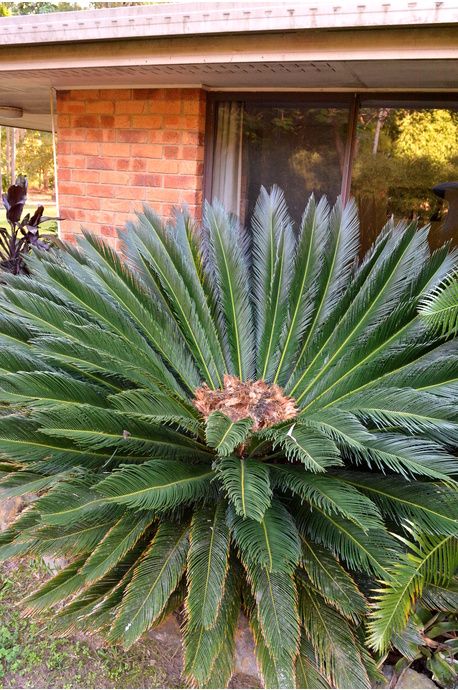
(64, 175)
(72, 134)
(83, 202)
(130, 107)
(108, 135)
(171, 151)
(180, 181)
(171, 136)
(136, 136)
(122, 164)
(166, 107)
(147, 180)
(146, 151)
(64, 148)
(100, 163)
(103, 190)
(71, 107)
(107, 121)
(121, 121)
(71, 188)
(100, 107)
(71, 162)
(114, 177)
(115, 149)
(84, 175)
(85, 148)
(147, 121)
(86, 121)
(148, 94)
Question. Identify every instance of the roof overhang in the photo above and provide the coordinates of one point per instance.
(410, 46)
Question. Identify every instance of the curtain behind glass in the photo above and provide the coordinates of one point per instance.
(227, 156)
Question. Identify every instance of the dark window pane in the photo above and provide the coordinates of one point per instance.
(400, 156)
(297, 147)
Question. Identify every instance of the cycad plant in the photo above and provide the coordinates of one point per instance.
(223, 420)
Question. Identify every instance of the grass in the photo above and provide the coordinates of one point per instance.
(32, 657)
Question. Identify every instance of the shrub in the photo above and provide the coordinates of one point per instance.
(23, 234)
(228, 420)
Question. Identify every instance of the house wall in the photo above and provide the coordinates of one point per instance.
(120, 148)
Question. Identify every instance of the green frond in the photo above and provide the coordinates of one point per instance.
(155, 485)
(207, 564)
(413, 412)
(275, 673)
(306, 445)
(40, 389)
(67, 582)
(157, 408)
(155, 578)
(334, 642)
(308, 674)
(223, 434)
(439, 308)
(431, 507)
(432, 559)
(328, 494)
(276, 612)
(368, 551)
(227, 262)
(122, 537)
(208, 652)
(78, 537)
(335, 585)
(304, 282)
(23, 482)
(271, 543)
(247, 485)
(126, 287)
(151, 247)
(439, 598)
(272, 254)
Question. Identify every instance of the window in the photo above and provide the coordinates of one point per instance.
(300, 147)
(397, 158)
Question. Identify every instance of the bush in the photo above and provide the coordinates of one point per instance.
(228, 420)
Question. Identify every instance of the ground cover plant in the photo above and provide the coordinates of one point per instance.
(225, 419)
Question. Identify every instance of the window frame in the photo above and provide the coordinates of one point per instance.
(353, 100)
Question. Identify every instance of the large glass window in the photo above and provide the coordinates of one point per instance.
(301, 148)
(401, 157)
(406, 165)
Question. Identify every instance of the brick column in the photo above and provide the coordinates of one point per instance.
(120, 148)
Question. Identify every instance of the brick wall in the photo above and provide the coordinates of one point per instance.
(118, 148)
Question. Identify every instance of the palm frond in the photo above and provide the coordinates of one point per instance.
(272, 250)
(432, 507)
(155, 485)
(227, 260)
(208, 651)
(335, 585)
(304, 444)
(223, 434)
(329, 495)
(333, 641)
(271, 543)
(430, 559)
(247, 485)
(122, 537)
(439, 308)
(207, 565)
(155, 578)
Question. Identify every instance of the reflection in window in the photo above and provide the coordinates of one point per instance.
(400, 156)
(299, 148)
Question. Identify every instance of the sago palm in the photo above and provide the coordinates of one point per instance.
(223, 420)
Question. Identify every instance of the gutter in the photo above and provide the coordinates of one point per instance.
(202, 18)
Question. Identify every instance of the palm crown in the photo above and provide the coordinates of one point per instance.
(232, 420)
